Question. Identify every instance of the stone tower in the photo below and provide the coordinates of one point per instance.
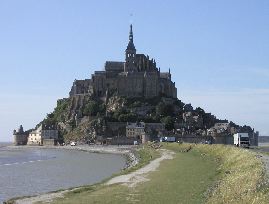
(20, 137)
(130, 53)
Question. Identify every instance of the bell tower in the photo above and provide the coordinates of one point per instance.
(130, 53)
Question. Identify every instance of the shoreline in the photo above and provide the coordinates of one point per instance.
(129, 152)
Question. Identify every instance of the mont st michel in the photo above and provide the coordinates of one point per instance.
(129, 102)
(170, 115)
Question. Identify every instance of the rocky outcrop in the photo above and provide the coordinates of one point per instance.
(83, 117)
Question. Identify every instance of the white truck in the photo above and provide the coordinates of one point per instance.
(241, 140)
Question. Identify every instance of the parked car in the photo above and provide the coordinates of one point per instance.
(208, 142)
(73, 143)
(168, 139)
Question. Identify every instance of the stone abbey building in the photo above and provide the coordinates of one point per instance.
(138, 76)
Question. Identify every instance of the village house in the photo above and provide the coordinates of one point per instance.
(135, 130)
(43, 135)
(144, 131)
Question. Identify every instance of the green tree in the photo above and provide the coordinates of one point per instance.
(91, 108)
(168, 122)
(164, 110)
(129, 117)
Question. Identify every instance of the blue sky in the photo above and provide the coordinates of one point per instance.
(217, 52)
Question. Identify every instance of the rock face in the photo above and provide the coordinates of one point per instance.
(115, 103)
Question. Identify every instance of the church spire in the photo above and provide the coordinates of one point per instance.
(131, 39)
(130, 53)
(131, 33)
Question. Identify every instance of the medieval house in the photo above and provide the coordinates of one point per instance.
(43, 136)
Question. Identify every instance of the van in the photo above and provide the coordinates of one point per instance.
(73, 143)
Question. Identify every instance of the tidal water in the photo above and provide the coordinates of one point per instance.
(31, 171)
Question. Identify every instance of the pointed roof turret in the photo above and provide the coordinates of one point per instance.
(131, 42)
(131, 32)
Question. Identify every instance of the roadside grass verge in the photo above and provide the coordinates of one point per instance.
(242, 177)
(241, 174)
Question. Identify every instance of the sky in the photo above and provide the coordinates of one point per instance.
(217, 51)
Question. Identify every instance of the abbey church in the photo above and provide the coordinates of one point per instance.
(138, 76)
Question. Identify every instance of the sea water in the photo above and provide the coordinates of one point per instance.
(31, 171)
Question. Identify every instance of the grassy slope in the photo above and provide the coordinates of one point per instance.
(184, 179)
(242, 176)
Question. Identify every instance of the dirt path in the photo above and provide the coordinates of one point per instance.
(140, 175)
(42, 198)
